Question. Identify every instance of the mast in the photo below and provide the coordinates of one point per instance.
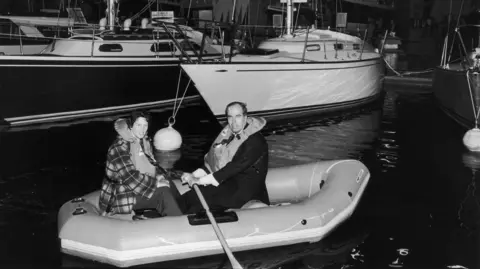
(289, 17)
(111, 14)
(233, 11)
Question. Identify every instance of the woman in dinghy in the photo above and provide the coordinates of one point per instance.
(132, 180)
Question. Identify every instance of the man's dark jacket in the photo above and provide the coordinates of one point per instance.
(241, 180)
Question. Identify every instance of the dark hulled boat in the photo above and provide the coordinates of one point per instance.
(99, 71)
(456, 85)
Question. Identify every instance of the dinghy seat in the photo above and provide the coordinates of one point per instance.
(139, 214)
(121, 216)
(146, 213)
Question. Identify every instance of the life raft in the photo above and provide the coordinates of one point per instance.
(308, 202)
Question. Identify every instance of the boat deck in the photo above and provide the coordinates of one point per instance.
(456, 67)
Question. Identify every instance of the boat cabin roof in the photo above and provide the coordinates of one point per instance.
(9, 27)
(40, 21)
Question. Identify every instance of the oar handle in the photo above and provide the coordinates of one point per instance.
(233, 261)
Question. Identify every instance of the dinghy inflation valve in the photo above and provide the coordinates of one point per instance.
(79, 211)
(304, 221)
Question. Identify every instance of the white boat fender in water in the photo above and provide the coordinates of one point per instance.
(471, 139)
(167, 139)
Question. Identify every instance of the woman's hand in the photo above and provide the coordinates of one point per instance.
(186, 177)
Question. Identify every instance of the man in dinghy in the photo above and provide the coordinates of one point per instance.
(236, 165)
(132, 180)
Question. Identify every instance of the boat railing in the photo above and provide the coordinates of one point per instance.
(95, 33)
(241, 41)
(251, 35)
(178, 44)
(243, 36)
(470, 59)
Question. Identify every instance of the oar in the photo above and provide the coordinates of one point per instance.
(233, 261)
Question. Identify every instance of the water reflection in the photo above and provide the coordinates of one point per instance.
(469, 209)
(167, 159)
(59, 163)
(387, 151)
(314, 139)
(421, 201)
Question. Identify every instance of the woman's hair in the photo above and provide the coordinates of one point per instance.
(241, 104)
(138, 114)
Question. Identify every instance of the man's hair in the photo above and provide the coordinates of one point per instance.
(138, 114)
(241, 104)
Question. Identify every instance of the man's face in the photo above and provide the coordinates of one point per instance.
(236, 118)
(140, 127)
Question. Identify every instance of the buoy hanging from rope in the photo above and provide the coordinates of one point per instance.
(471, 139)
(167, 139)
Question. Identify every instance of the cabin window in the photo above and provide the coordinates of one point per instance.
(314, 47)
(338, 46)
(162, 47)
(193, 45)
(356, 46)
(8, 29)
(161, 34)
(110, 48)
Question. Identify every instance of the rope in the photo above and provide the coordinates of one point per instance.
(296, 19)
(391, 68)
(475, 113)
(176, 108)
(406, 73)
(188, 12)
(183, 97)
(444, 51)
(176, 95)
(456, 27)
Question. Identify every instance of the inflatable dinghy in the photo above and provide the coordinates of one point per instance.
(307, 203)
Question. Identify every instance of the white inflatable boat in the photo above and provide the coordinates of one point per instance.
(308, 202)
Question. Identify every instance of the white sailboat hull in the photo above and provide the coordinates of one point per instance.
(285, 89)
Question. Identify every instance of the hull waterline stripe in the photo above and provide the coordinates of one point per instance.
(306, 69)
(91, 66)
(271, 113)
(87, 112)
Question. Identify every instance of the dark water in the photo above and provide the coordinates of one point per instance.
(420, 210)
